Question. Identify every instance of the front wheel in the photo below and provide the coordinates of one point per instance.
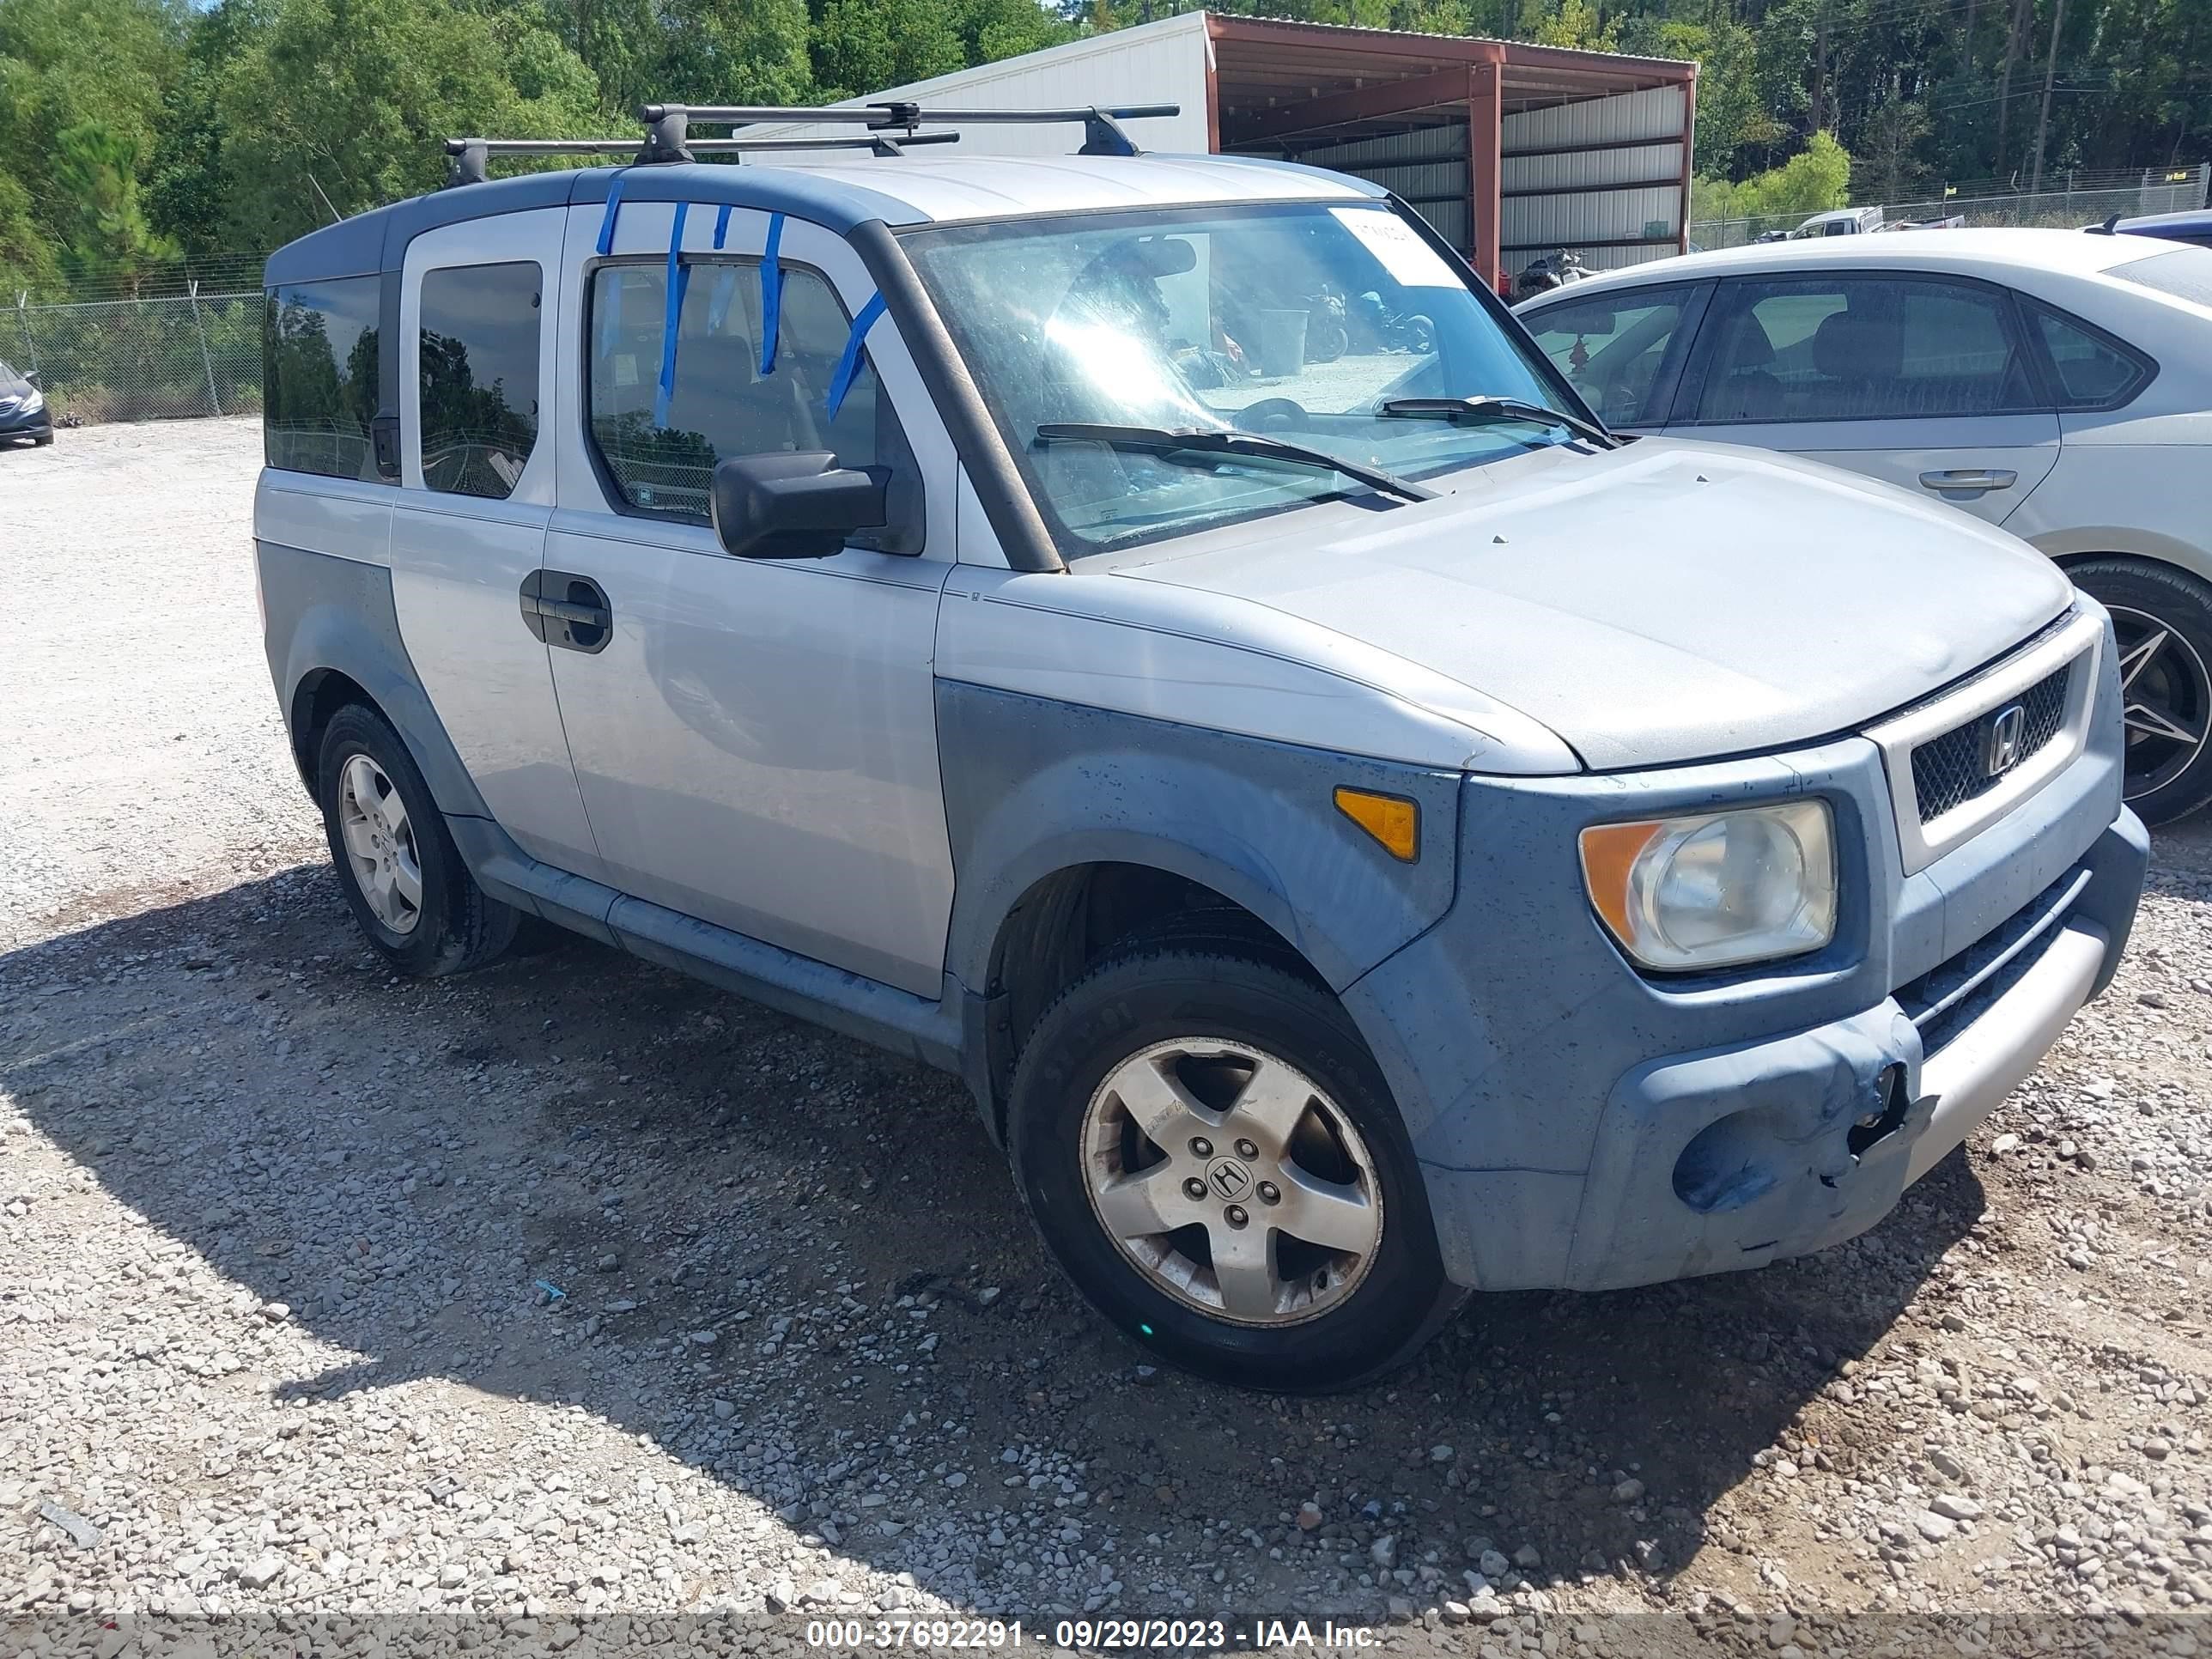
(1214, 1159)
(2162, 624)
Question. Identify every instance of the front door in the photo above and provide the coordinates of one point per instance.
(756, 741)
(1923, 382)
(477, 472)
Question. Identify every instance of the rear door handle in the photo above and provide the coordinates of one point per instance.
(1973, 480)
(565, 609)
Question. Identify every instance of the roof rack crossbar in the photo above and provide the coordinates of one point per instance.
(1102, 134)
(471, 157)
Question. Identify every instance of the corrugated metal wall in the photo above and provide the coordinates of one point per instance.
(1427, 167)
(1157, 63)
(1617, 191)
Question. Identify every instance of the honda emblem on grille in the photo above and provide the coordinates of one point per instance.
(2001, 747)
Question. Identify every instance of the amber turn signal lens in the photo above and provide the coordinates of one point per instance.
(1609, 853)
(1391, 819)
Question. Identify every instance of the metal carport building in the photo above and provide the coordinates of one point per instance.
(1508, 150)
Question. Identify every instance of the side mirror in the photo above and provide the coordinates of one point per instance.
(31, 377)
(785, 505)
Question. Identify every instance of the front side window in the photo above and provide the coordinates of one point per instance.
(1612, 347)
(320, 381)
(1297, 321)
(478, 414)
(660, 453)
(1854, 349)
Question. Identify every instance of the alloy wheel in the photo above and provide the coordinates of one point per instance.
(2165, 693)
(380, 844)
(1232, 1181)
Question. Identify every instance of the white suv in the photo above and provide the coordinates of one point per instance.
(2057, 384)
(1363, 834)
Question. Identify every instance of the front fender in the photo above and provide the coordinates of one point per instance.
(1033, 787)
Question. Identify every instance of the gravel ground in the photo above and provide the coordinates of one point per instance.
(576, 1288)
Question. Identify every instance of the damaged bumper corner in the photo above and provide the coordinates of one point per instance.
(1712, 1162)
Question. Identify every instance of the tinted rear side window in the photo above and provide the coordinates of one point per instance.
(2087, 370)
(2186, 273)
(479, 367)
(319, 351)
(1854, 349)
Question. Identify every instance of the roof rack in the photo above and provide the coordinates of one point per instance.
(471, 157)
(1102, 131)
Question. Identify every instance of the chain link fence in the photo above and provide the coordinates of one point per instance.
(160, 358)
(2083, 199)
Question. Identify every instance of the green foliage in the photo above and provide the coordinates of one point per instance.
(335, 106)
(1816, 179)
(103, 232)
(130, 128)
(1576, 24)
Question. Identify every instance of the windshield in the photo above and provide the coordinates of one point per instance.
(1294, 322)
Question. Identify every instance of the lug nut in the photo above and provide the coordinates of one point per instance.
(1235, 1215)
(1201, 1147)
(1194, 1187)
(1246, 1149)
(1270, 1192)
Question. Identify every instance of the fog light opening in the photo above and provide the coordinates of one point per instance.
(1877, 1127)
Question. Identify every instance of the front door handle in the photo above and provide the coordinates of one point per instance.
(567, 609)
(1969, 481)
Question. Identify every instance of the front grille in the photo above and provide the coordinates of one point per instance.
(1951, 770)
(1953, 994)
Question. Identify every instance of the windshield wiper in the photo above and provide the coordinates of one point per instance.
(1494, 412)
(1248, 445)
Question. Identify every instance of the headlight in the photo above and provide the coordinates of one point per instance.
(1715, 889)
(34, 403)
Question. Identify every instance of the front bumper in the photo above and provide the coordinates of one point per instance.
(1730, 1160)
(1583, 1126)
(39, 424)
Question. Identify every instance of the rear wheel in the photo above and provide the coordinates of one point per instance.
(1214, 1160)
(2162, 624)
(402, 875)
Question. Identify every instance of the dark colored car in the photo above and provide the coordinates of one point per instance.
(23, 409)
(2192, 225)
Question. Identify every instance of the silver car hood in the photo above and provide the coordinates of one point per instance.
(1663, 602)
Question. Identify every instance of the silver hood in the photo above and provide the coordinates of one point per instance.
(1666, 602)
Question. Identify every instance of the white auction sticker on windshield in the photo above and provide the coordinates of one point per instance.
(1411, 262)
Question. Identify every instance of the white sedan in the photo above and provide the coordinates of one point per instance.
(2057, 384)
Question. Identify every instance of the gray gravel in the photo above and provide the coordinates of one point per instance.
(575, 1287)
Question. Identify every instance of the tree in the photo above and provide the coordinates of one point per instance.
(27, 260)
(348, 99)
(103, 232)
(1578, 24)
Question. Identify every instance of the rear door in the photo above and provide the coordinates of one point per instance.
(1925, 382)
(478, 350)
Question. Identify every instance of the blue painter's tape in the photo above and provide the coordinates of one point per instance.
(721, 224)
(614, 207)
(771, 294)
(677, 273)
(849, 364)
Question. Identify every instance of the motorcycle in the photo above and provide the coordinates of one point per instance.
(1548, 271)
(1394, 331)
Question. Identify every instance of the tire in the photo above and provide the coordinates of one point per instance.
(451, 924)
(1200, 1014)
(42, 440)
(2162, 618)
